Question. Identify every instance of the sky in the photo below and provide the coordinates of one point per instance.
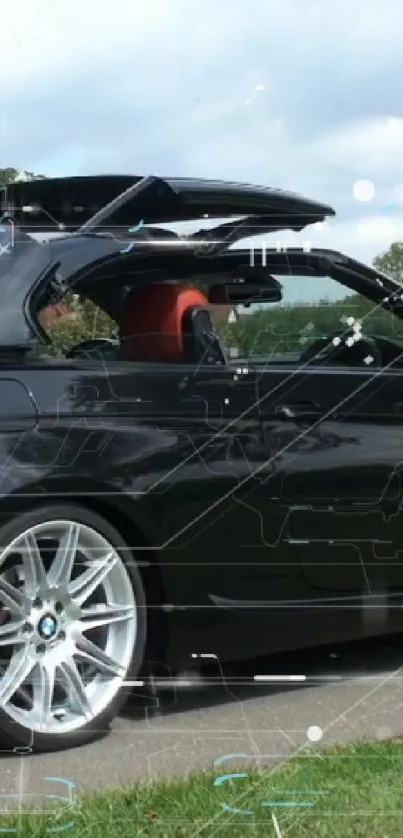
(305, 95)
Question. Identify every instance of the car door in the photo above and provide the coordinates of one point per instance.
(213, 515)
(334, 438)
(222, 449)
(209, 486)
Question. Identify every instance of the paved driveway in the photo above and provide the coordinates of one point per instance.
(351, 691)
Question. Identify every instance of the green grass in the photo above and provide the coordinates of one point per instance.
(356, 791)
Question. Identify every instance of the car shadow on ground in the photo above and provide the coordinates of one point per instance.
(225, 685)
(222, 685)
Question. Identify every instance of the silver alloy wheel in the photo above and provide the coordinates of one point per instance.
(71, 626)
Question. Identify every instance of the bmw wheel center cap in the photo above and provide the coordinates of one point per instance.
(47, 627)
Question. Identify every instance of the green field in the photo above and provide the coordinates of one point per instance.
(352, 792)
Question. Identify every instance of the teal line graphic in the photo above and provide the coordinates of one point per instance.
(63, 827)
(233, 811)
(224, 777)
(285, 804)
(288, 804)
(133, 230)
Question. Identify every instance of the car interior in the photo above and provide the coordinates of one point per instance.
(168, 320)
(152, 292)
(161, 323)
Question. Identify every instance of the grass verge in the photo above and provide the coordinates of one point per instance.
(351, 791)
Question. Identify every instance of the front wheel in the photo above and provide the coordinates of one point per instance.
(72, 627)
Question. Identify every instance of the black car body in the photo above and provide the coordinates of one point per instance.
(255, 503)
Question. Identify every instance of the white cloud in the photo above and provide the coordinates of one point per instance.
(163, 87)
(369, 146)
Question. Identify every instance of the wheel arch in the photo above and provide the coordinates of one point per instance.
(125, 515)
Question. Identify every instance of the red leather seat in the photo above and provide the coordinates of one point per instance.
(152, 325)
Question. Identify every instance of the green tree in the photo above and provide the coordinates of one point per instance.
(391, 261)
(9, 175)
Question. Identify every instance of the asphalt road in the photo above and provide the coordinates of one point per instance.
(351, 691)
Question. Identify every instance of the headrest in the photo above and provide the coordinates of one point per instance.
(151, 326)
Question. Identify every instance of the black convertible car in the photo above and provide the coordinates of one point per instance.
(159, 500)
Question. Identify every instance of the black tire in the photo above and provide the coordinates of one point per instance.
(15, 737)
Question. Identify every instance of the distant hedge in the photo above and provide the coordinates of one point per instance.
(288, 328)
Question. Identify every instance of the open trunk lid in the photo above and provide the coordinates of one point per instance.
(115, 203)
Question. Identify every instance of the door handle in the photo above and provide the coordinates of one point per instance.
(297, 410)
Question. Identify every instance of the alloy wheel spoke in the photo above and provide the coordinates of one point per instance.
(97, 616)
(17, 672)
(43, 677)
(80, 589)
(10, 633)
(11, 597)
(66, 570)
(62, 565)
(76, 687)
(90, 653)
(35, 574)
